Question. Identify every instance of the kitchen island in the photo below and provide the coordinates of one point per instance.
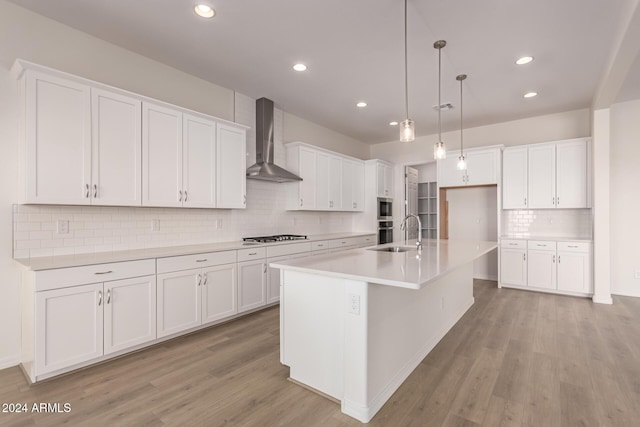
(354, 325)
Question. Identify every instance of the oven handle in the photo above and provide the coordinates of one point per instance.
(385, 228)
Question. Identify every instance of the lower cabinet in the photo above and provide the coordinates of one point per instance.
(574, 271)
(513, 266)
(80, 323)
(190, 298)
(541, 268)
(252, 285)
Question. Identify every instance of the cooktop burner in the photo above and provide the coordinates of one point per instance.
(275, 238)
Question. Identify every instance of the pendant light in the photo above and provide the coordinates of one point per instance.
(407, 127)
(439, 150)
(462, 162)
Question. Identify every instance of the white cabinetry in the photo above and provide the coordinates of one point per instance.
(231, 167)
(574, 267)
(483, 166)
(330, 181)
(189, 297)
(541, 268)
(514, 178)
(572, 174)
(542, 176)
(252, 285)
(384, 179)
(198, 162)
(513, 262)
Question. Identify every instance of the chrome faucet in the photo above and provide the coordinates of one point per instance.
(404, 223)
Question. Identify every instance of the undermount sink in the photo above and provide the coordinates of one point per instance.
(394, 249)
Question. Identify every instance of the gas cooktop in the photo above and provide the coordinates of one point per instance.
(275, 238)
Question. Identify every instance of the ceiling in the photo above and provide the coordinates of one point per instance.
(354, 51)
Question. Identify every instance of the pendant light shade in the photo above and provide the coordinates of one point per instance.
(462, 162)
(439, 151)
(407, 127)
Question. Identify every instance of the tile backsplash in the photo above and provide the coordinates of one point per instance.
(105, 229)
(568, 223)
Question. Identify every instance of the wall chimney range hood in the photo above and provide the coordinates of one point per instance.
(265, 169)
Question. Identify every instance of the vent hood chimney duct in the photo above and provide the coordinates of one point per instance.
(264, 169)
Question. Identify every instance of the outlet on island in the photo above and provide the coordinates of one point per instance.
(354, 304)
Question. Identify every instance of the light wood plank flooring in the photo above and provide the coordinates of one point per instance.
(515, 359)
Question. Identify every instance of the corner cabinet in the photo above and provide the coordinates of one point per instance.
(86, 143)
(330, 181)
(555, 175)
(483, 168)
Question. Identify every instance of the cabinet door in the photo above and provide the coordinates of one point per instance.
(358, 186)
(347, 185)
(448, 173)
(380, 185)
(161, 156)
(482, 167)
(178, 301)
(198, 162)
(574, 272)
(309, 179)
(116, 149)
(219, 290)
(58, 140)
(513, 267)
(335, 183)
(252, 292)
(129, 313)
(542, 269)
(68, 326)
(514, 178)
(273, 276)
(231, 168)
(571, 179)
(542, 177)
(322, 169)
(388, 181)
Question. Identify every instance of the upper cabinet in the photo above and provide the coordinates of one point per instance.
(384, 179)
(88, 143)
(57, 126)
(330, 181)
(547, 176)
(483, 168)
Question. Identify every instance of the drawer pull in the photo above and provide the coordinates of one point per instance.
(320, 246)
(109, 296)
(344, 243)
(201, 260)
(543, 245)
(204, 278)
(104, 272)
(199, 279)
(513, 244)
(253, 253)
(99, 298)
(573, 246)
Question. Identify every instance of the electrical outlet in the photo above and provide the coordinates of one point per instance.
(354, 304)
(637, 274)
(155, 225)
(63, 226)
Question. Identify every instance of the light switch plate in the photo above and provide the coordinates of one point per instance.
(637, 274)
(62, 227)
(155, 225)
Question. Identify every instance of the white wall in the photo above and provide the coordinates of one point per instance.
(473, 215)
(625, 197)
(29, 36)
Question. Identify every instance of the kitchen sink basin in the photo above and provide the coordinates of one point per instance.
(394, 249)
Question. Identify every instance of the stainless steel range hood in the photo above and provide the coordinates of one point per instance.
(264, 169)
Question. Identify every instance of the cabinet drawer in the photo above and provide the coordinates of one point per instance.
(320, 246)
(294, 248)
(574, 246)
(513, 244)
(541, 245)
(338, 243)
(364, 240)
(249, 254)
(66, 277)
(186, 262)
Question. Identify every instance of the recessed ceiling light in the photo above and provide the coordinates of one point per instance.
(530, 94)
(393, 123)
(524, 60)
(361, 104)
(300, 67)
(205, 11)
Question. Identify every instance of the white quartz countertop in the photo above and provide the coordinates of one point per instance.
(550, 238)
(409, 269)
(65, 261)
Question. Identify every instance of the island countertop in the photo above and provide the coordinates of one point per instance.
(411, 269)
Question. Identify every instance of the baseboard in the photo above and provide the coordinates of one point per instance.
(9, 362)
(626, 294)
(485, 277)
(365, 414)
(603, 300)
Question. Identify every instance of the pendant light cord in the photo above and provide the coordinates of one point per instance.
(439, 95)
(406, 78)
(461, 140)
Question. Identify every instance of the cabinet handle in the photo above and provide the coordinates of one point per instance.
(544, 246)
(320, 246)
(104, 272)
(301, 203)
(553, 201)
(244, 202)
(253, 253)
(572, 246)
(513, 244)
(86, 186)
(204, 277)
(554, 259)
(179, 195)
(201, 260)
(558, 201)
(558, 259)
(265, 268)
(109, 296)
(524, 257)
(95, 191)
(186, 195)
(99, 298)
(525, 201)
(199, 277)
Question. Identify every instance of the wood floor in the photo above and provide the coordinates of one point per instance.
(515, 359)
